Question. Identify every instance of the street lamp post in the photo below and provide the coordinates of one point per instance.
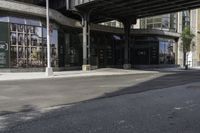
(49, 70)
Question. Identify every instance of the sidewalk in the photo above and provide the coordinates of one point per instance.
(70, 74)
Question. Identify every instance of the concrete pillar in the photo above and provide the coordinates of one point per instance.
(86, 43)
(127, 30)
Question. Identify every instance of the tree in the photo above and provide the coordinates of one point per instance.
(187, 37)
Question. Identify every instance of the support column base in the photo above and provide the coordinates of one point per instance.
(86, 67)
(49, 72)
(127, 66)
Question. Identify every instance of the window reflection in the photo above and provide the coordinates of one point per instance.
(4, 19)
(73, 49)
(163, 22)
(54, 46)
(166, 51)
(28, 44)
(186, 18)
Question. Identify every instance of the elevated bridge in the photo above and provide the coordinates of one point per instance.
(125, 11)
(101, 10)
(117, 9)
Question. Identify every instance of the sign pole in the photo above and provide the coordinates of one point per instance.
(49, 70)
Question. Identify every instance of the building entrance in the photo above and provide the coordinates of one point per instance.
(146, 51)
(142, 56)
(105, 58)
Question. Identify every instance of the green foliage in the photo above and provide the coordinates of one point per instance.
(187, 37)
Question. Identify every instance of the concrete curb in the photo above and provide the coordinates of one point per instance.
(60, 75)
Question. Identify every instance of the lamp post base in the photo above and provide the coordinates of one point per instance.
(127, 66)
(49, 72)
(86, 68)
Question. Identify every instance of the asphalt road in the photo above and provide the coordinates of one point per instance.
(32, 94)
(145, 103)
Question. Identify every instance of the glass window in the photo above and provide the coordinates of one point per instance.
(150, 20)
(173, 22)
(74, 49)
(28, 44)
(157, 26)
(20, 28)
(33, 22)
(157, 20)
(16, 20)
(166, 51)
(186, 18)
(143, 23)
(163, 22)
(150, 26)
(13, 39)
(54, 46)
(4, 19)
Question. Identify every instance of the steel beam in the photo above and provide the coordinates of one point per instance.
(135, 8)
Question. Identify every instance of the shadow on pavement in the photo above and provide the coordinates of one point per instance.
(166, 81)
(170, 80)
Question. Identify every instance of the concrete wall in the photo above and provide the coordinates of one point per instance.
(195, 46)
(197, 41)
(180, 48)
(193, 27)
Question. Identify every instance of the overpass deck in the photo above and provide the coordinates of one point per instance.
(117, 9)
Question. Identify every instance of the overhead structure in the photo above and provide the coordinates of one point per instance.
(125, 11)
(115, 9)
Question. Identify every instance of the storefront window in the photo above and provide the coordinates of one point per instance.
(28, 44)
(166, 51)
(54, 46)
(74, 49)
